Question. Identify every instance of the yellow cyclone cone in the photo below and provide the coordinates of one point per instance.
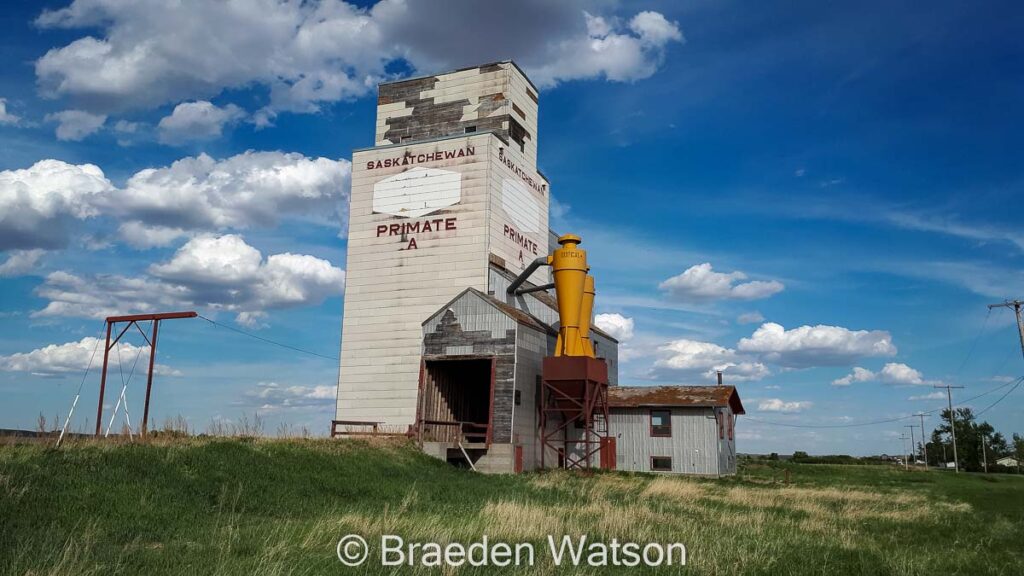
(569, 267)
(586, 315)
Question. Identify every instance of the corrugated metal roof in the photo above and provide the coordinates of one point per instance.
(642, 396)
(510, 311)
(515, 313)
(544, 297)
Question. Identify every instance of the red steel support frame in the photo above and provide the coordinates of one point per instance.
(133, 320)
(577, 395)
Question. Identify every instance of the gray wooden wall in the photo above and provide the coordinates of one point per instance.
(695, 446)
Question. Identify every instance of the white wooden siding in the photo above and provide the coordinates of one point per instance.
(693, 447)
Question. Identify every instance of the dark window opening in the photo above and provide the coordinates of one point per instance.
(661, 464)
(470, 129)
(519, 111)
(518, 397)
(518, 134)
(661, 423)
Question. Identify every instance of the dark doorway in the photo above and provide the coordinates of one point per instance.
(456, 398)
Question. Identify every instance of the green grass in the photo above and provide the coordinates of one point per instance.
(279, 507)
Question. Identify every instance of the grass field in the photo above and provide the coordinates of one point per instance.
(279, 507)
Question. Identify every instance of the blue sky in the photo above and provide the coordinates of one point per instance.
(789, 192)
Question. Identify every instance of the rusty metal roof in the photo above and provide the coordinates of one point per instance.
(643, 396)
(544, 297)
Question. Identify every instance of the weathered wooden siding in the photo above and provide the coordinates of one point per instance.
(694, 445)
(469, 325)
(390, 289)
(489, 97)
(392, 286)
(531, 347)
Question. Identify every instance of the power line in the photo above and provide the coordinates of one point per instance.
(975, 344)
(1008, 392)
(887, 420)
(787, 425)
(267, 340)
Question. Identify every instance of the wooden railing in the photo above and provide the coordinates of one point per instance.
(374, 428)
(455, 431)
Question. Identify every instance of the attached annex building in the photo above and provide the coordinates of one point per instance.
(446, 210)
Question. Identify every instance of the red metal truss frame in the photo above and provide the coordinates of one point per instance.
(573, 409)
(133, 320)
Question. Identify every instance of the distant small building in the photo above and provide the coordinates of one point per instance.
(679, 429)
(1008, 461)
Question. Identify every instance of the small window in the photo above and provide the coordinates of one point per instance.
(721, 425)
(470, 129)
(661, 464)
(519, 397)
(661, 423)
(732, 425)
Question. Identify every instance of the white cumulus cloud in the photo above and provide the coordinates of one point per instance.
(929, 396)
(857, 375)
(5, 116)
(895, 373)
(273, 397)
(75, 125)
(620, 327)
(70, 357)
(778, 405)
(141, 55)
(38, 203)
(701, 282)
(210, 272)
(249, 189)
(819, 345)
(20, 262)
(197, 121)
(754, 317)
(701, 360)
(156, 206)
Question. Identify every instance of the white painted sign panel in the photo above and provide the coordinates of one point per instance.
(417, 192)
(520, 206)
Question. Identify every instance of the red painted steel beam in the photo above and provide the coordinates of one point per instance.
(149, 378)
(103, 381)
(144, 317)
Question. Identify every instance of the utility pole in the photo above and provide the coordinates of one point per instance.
(903, 445)
(984, 454)
(1016, 305)
(913, 447)
(952, 422)
(924, 443)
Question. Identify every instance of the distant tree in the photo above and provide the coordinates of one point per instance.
(970, 435)
(799, 455)
(1018, 447)
(773, 456)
